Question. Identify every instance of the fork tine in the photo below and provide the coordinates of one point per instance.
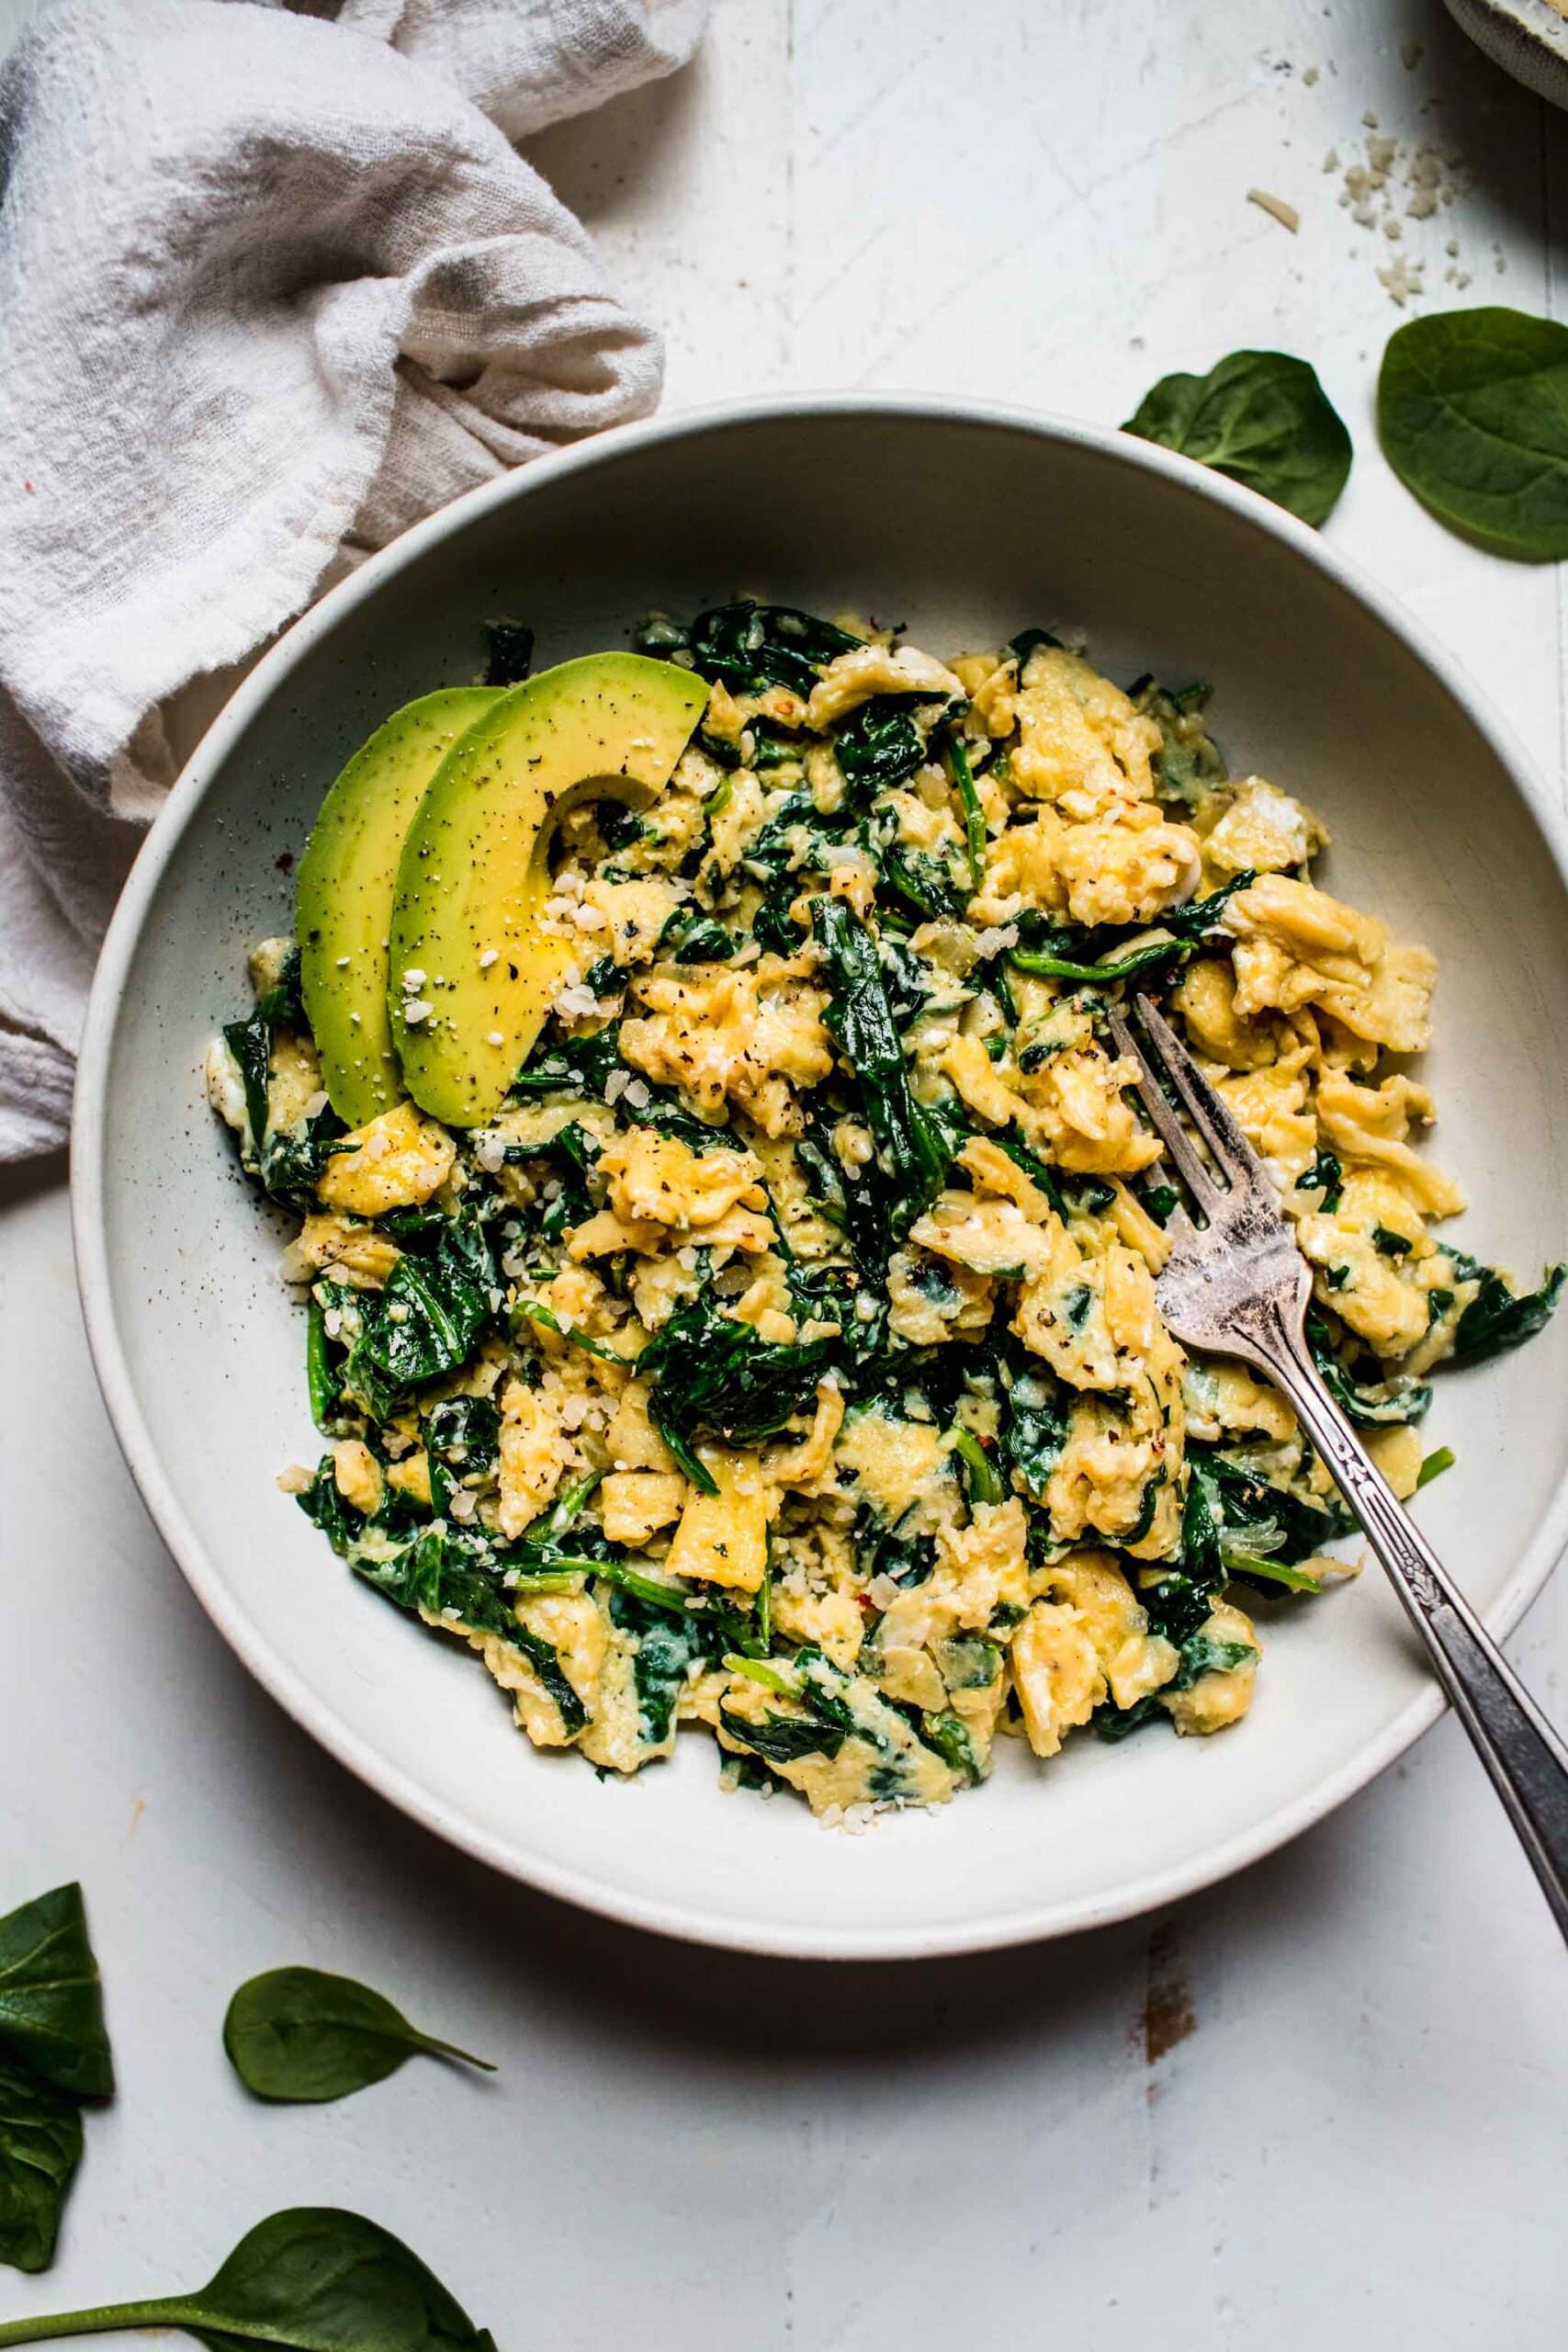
(1198, 1177)
(1211, 1115)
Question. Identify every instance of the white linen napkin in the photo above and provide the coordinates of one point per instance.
(273, 285)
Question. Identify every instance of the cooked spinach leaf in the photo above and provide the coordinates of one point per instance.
(510, 653)
(1030, 640)
(713, 1376)
(916, 1141)
(1263, 419)
(746, 646)
(1235, 1522)
(949, 1734)
(581, 1068)
(784, 1739)
(40, 2147)
(1325, 1176)
(1473, 413)
(879, 744)
(1373, 1401)
(692, 937)
(1497, 1317)
(299, 2035)
(1034, 1425)
(312, 2279)
(425, 1320)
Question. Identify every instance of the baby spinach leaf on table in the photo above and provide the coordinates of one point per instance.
(312, 2280)
(52, 2010)
(1497, 1317)
(1263, 419)
(510, 653)
(1473, 413)
(301, 2035)
(40, 2147)
(713, 1376)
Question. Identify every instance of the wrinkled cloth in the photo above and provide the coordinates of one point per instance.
(273, 285)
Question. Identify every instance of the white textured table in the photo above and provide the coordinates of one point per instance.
(1326, 2100)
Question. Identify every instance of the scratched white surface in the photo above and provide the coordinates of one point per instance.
(1362, 2136)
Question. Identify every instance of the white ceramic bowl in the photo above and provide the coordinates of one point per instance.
(967, 524)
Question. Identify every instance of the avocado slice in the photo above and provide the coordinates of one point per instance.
(343, 907)
(468, 938)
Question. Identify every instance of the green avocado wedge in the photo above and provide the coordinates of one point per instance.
(470, 938)
(344, 897)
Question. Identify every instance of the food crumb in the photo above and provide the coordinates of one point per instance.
(1401, 280)
(1276, 208)
(1410, 53)
(1310, 76)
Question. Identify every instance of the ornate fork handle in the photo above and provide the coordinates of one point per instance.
(1527, 1761)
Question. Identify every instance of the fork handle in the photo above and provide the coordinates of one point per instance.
(1526, 1759)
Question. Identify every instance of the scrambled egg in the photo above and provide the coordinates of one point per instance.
(800, 1374)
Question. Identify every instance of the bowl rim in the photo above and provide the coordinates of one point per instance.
(672, 1916)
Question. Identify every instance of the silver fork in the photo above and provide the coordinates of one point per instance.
(1239, 1285)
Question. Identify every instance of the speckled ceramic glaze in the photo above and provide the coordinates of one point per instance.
(967, 524)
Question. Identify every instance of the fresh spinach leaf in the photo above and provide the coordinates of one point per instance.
(1263, 419)
(299, 2035)
(40, 2147)
(1473, 413)
(312, 2279)
(52, 2010)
